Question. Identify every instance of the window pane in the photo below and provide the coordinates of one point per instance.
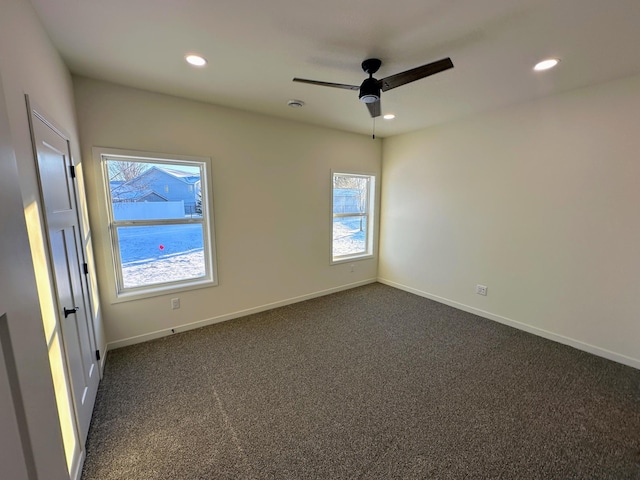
(149, 191)
(352, 227)
(160, 229)
(349, 235)
(349, 200)
(161, 253)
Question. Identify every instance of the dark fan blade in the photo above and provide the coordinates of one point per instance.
(327, 84)
(374, 109)
(415, 74)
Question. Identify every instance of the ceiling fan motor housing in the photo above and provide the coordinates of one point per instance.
(370, 90)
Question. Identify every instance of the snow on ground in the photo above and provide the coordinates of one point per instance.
(347, 238)
(170, 269)
(144, 263)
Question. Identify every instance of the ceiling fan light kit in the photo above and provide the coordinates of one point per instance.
(371, 88)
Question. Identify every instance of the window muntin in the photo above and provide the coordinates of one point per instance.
(352, 206)
(161, 229)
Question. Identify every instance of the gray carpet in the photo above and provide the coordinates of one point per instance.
(371, 383)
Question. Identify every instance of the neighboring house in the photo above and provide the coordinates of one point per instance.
(158, 184)
(126, 195)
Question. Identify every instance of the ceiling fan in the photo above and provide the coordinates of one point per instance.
(371, 87)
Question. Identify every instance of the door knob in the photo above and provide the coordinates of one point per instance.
(69, 311)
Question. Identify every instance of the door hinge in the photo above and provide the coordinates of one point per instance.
(72, 169)
(85, 268)
(98, 355)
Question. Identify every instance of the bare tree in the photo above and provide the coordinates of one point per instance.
(125, 179)
(362, 185)
(199, 201)
(357, 183)
(124, 171)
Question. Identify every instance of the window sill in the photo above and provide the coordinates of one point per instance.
(351, 258)
(162, 290)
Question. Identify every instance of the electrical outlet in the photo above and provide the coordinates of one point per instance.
(481, 290)
(175, 303)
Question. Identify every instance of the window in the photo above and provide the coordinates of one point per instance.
(160, 222)
(353, 202)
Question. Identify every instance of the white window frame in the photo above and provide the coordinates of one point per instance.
(207, 221)
(369, 214)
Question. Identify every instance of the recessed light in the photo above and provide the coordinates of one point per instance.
(546, 64)
(389, 116)
(195, 60)
(295, 103)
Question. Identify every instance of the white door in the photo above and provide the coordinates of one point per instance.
(57, 186)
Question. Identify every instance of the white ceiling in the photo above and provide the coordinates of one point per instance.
(255, 48)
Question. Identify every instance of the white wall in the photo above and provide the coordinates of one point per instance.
(16, 276)
(272, 202)
(30, 438)
(29, 64)
(539, 202)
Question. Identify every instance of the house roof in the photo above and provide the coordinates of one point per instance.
(179, 174)
(255, 48)
(138, 195)
(133, 189)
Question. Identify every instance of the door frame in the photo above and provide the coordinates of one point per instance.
(35, 113)
(34, 109)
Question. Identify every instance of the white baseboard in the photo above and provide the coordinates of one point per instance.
(601, 352)
(229, 316)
